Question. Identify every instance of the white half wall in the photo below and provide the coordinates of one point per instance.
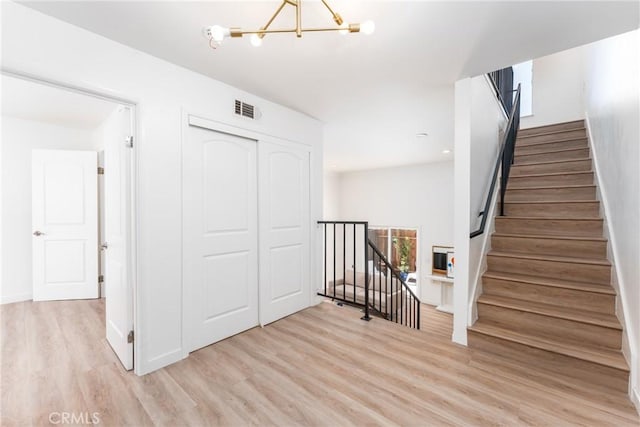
(19, 138)
(40, 45)
(479, 120)
(415, 196)
(612, 104)
(557, 89)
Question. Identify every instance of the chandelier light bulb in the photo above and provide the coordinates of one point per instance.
(367, 27)
(256, 40)
(218, 33)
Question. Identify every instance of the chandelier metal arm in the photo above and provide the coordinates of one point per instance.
(336, 17)
(217, 33)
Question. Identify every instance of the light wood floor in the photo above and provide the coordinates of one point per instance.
(322, 366)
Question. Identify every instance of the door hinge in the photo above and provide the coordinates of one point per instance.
(101, 278)
(130, 337)
(100, 170)
(129, 141)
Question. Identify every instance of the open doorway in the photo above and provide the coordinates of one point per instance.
(67, 202)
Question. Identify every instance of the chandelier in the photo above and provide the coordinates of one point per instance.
(217, 33)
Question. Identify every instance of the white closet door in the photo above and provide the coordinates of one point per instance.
(65, 224)
(220, 232)
(284, 231)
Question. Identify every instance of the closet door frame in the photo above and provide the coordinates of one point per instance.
(190, 118)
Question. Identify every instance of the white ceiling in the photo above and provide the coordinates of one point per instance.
(373, 92)
(33, 101)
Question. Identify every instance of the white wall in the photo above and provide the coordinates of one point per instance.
(479, 120)
(557, 89)
(19, 137)
(415, 196)
(331, 196)
(612, 86)
(40, 45)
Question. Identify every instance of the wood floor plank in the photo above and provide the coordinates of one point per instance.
(320, 367)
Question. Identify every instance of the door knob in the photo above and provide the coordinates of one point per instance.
(38, 233)
(104, 246)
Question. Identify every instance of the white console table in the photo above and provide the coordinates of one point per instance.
(446, 295)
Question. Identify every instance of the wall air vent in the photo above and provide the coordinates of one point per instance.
(246, 110)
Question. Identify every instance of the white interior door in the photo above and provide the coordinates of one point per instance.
(65, 224)
(220, 232)
(284, 231)
(117, 234)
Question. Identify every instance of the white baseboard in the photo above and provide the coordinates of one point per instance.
(635, 399)
(8, 299)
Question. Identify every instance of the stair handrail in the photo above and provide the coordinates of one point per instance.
(504, 161)
(394, 272)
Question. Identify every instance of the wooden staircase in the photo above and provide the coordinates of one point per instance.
(547, 297)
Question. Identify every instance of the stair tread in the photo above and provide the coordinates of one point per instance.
(555, 124)
(553, 187)
(551, 282)
(557, 150)
(537, 175)
(549, 162)
(598, 355)
(546, 236)
(555, 141)
(528, 202)
(555, 132)
(553, 258)
(549, 218)
(567, 313)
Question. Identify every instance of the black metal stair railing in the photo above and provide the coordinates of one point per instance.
(356, 272)
(503, 163)
(398, 302)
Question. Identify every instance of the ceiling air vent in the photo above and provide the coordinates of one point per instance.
(245, 110)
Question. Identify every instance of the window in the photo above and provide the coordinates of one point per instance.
(400, 247)
(523, 74)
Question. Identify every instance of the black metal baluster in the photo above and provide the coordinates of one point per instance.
(326, 279)
(374, 283)
(344, 261)
(354, 263)
(389, 304)
(366, 273)
(401, 301)
(334, 260)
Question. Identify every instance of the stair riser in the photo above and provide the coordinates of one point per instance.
(557, 364)
(551, 194)
(554, 210)
(581, 153)
(550, 227)
(589, 273)
(573, 298)
(544, 326)
(552, 146)
(569, 134)
(552, 128)
(549, 180)
(553, 247)
(573, 166)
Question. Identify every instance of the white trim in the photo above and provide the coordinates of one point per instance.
(476, 285)
(8, 299)
(615, 271)
(635, 399)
